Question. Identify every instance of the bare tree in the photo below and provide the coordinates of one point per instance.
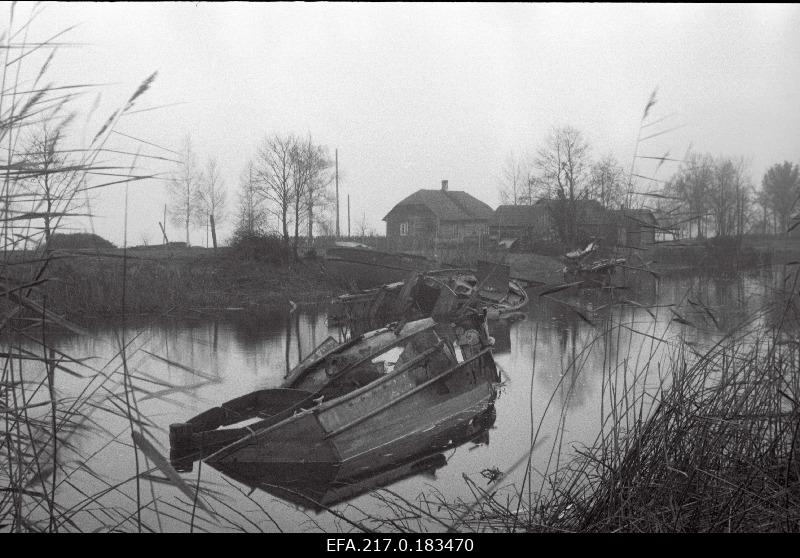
(302, 156)
(607, 182)
(728, 196)
(252, 218)
(514, 181)
(274, 172)
(690, 186)
(211, 198)
(183, 189)
(563, 165)
(50, 180)
(362, 227)
(311, 163)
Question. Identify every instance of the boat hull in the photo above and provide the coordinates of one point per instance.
(361, 268)
(318, 485)
(371, 425)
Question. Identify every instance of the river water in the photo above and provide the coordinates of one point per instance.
(561, 362)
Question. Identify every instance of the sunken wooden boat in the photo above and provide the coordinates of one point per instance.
(351, 405)
(364, 268)
(489, 287)
(317, 486)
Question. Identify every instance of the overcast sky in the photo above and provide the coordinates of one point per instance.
(411, 94)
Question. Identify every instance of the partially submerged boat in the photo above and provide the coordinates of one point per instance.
(489, 287)
(579, 268)
(317, 486)
(351, 405)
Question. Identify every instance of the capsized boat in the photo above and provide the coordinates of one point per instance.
(348, 404)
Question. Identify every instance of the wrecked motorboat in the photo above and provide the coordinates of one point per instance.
(351, 405)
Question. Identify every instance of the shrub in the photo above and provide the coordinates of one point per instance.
(78, 241)
(259, 246)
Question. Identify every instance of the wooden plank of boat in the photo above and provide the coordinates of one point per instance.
(320, 485)
(262, 403)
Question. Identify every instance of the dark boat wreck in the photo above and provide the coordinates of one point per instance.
(490, 288)
(365, 404)
(318, 486)
(364, 268)
(579, 268)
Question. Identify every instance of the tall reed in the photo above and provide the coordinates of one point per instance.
(52, 402)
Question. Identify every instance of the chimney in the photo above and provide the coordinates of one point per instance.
(444, 185)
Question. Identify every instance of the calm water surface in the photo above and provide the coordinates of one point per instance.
(556, 362)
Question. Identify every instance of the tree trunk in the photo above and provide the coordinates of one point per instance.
(213, 231)
(285, 224)
(296, 227)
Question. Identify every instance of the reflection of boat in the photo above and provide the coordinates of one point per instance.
(355, 404)
(322, 484)
(597, 272)
(365, 268)
(417, 296)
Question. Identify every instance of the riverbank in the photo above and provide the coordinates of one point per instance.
(84, 285)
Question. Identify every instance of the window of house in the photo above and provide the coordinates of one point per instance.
(404, 229)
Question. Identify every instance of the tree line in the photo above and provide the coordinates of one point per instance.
(715, 196)
(283, 190)
(706, 196)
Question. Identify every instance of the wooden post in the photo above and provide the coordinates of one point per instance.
(337, 193)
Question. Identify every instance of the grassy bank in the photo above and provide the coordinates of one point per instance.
(82, 285)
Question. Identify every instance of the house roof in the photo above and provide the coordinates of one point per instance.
(640, 216)
(518, 215)
(591, 212)
(448, 205)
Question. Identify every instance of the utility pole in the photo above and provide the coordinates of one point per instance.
(336, 152)
(348, 216)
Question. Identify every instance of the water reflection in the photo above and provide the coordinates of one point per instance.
(561, 361)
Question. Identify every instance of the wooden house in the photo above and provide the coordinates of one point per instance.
(430, 217)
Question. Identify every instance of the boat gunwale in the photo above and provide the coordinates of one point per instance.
(399, 398)
(296, 375)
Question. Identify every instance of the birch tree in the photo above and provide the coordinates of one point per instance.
(182, 190)
(211, 198)
(514, 182)
(252, 218)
